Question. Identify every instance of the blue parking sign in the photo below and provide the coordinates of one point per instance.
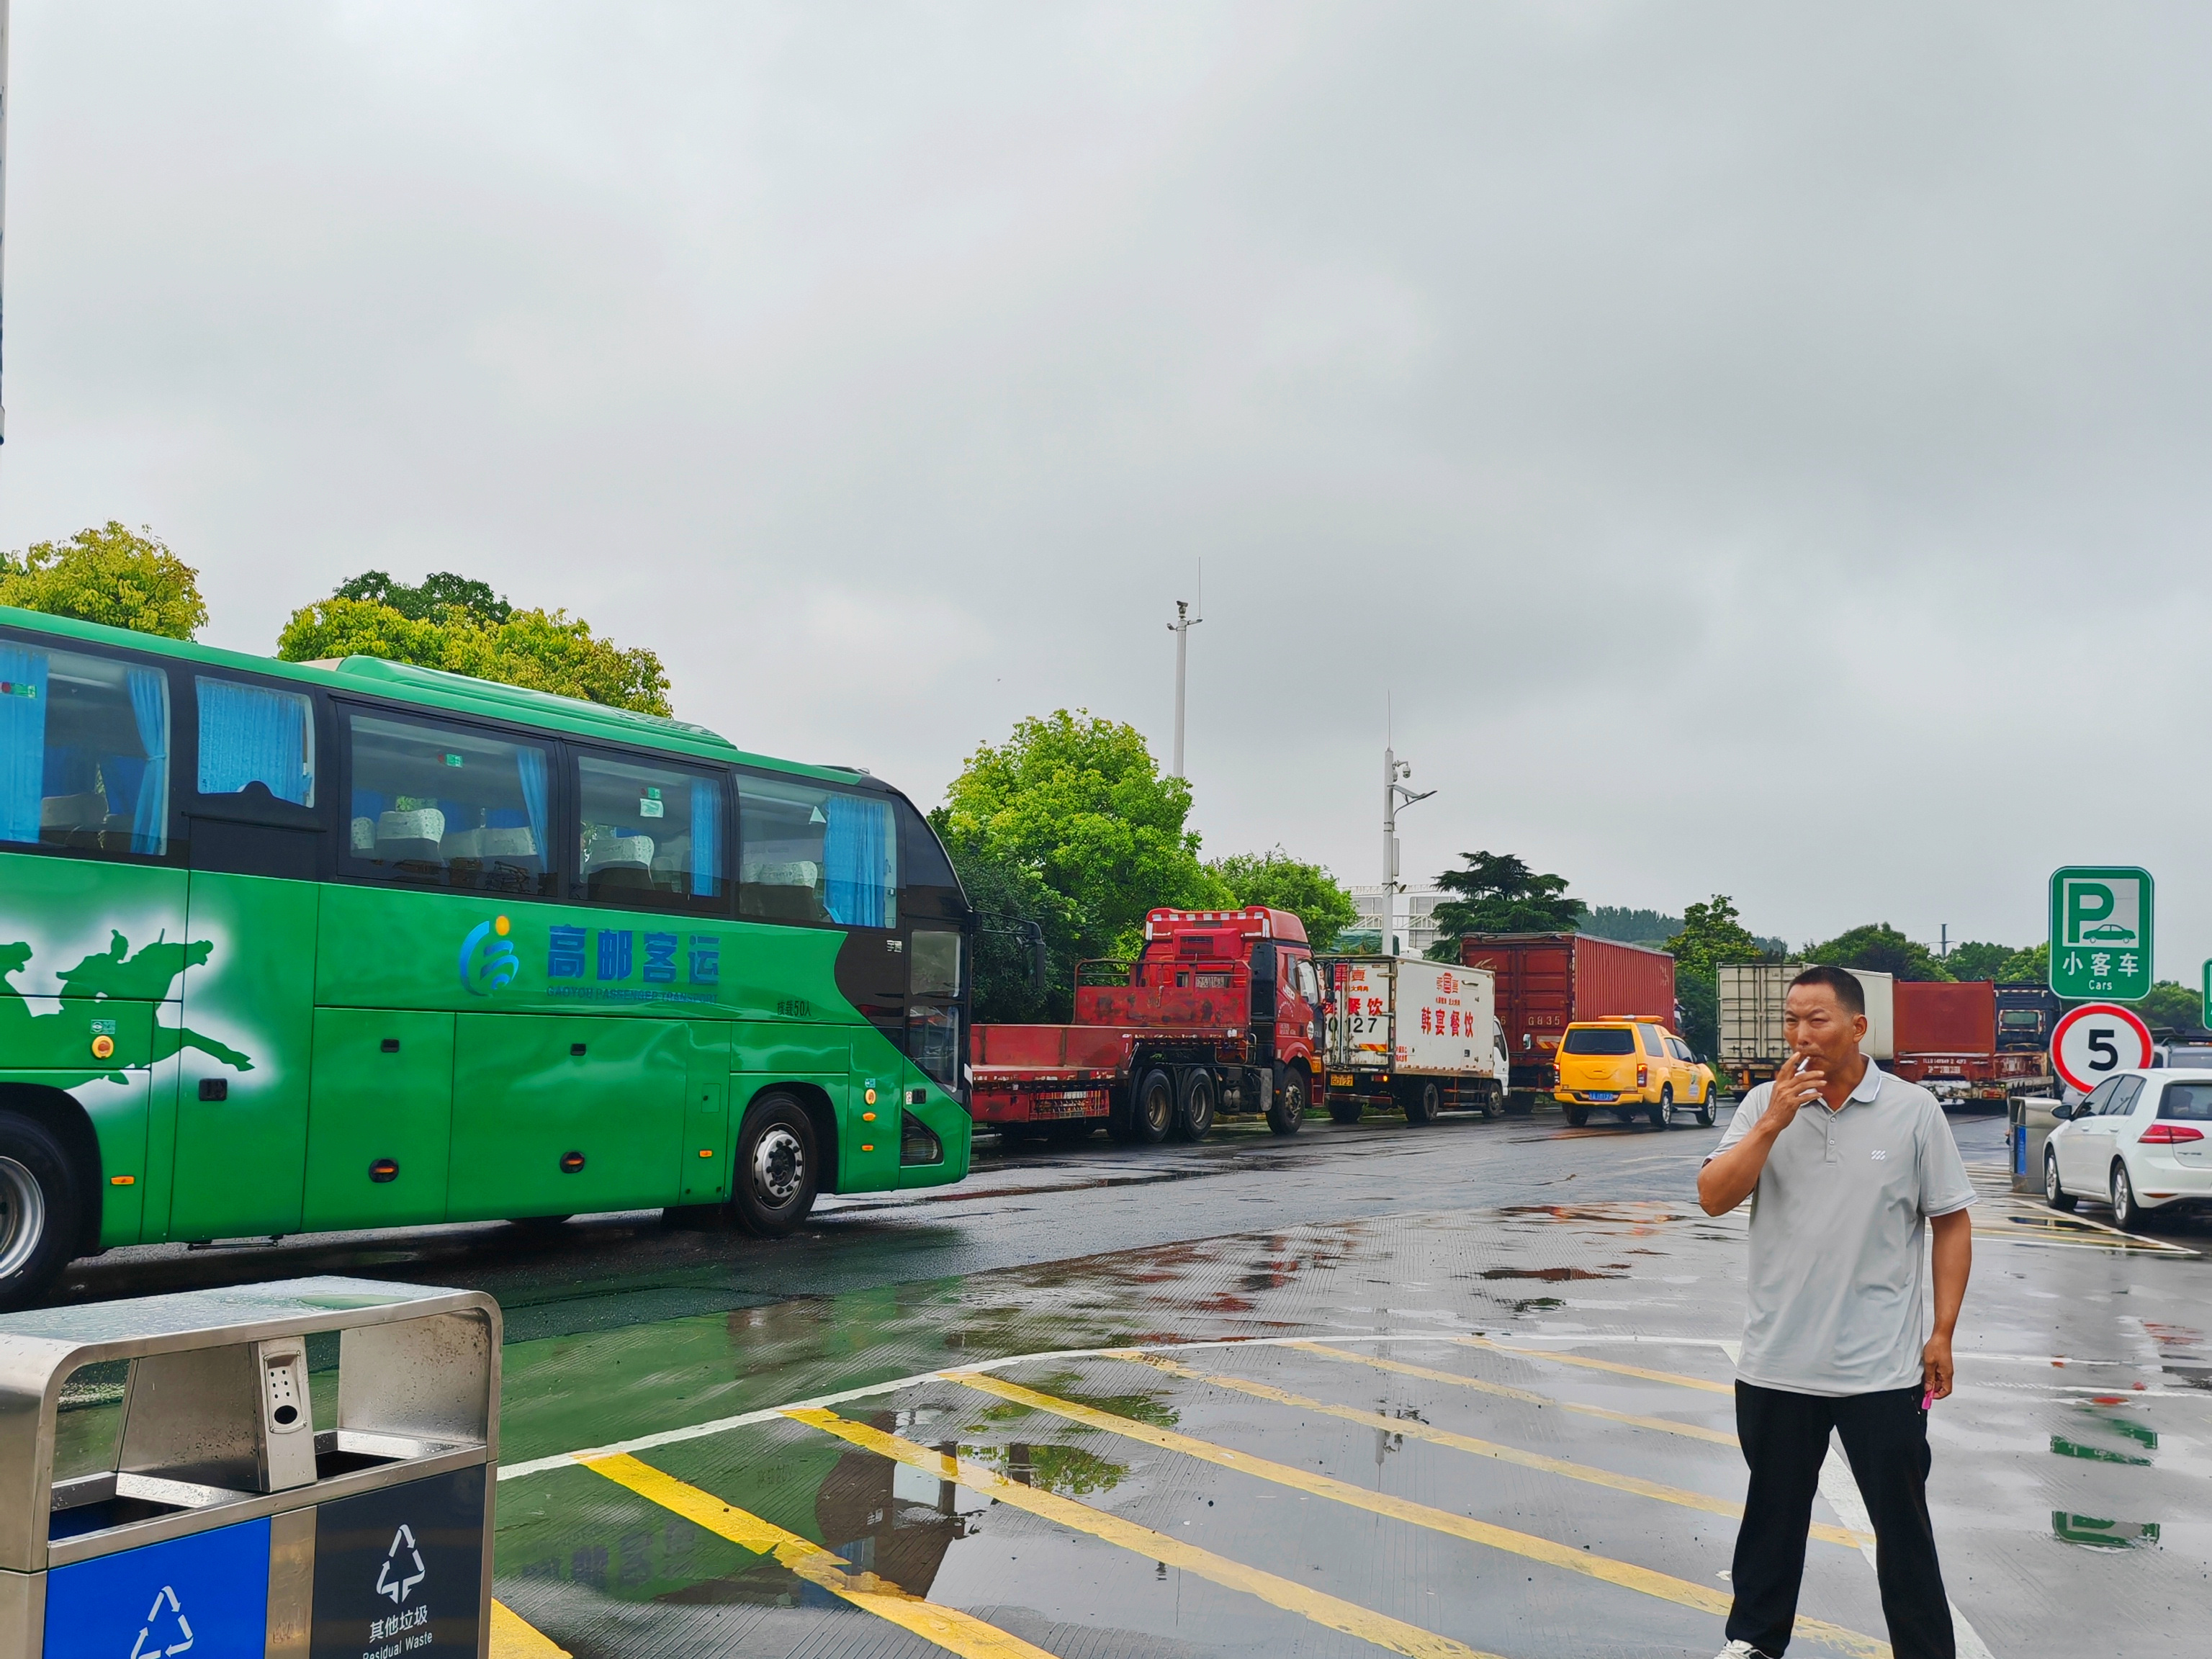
(207, 1595)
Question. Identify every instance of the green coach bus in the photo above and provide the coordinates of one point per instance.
(297, 947)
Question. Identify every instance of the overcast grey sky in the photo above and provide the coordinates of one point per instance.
(1758, 449)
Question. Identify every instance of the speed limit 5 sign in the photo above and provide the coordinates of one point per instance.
(2091, 1042)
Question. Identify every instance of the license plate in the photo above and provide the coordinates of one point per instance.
(1601, 1096)
(1336, 1082)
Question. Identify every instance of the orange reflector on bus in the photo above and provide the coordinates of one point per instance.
(122, 1181)
(571, 1163)
(384, 1169)
(706, 1151)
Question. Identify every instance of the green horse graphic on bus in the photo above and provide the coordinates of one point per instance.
(110, 979)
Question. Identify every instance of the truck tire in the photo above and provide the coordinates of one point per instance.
(1486, 1100)
(1194, 1116)
(1662, 1115)
(1577, 1116)
(779, 1167)
(1345, 1111)
(40, 1208)
(1423, 1101)
(1288, 1109)
(1153, 1113)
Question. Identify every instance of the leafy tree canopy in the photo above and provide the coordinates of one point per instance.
(1498, 893)
(1880, 948)
(2028, 967)
(472, 630)
(1712, 934)
(1629, 926)
(439, 590)
(1078, 802)
(1283, 882)
(1975, 960)
(1008, 896)
(2172, 1006)
(107, 575)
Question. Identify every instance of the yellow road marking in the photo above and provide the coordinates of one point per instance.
(1414, 1429)
(1329, 1611)
(1695, 1431)
(1675, 1377)
(950, 1629)
(1626, 1574)
(514, 1637)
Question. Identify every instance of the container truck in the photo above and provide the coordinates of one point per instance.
(1953, 1039)
(1419, 1034)
(1752, 1043)
(2027, 1015)
(1221, 1013)
(1546, 981)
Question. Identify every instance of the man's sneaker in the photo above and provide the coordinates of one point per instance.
(1740, 1650)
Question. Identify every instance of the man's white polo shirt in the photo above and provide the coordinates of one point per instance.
(1838, 1224)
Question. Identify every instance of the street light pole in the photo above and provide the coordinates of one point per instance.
(1180, 628)
(1394, 795)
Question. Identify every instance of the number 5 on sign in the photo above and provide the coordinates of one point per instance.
(2093, 1041)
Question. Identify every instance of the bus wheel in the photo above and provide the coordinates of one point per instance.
(778, 1169)
(1288, 1109)
(1424, 1103)
(1155, 1108)
(38, 1209)
(1195, 1110)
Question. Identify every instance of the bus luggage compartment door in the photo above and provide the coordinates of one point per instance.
(562, 1115)
(379, 1118)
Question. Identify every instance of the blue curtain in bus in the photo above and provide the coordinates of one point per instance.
(250, 735)
(706, 835)
(530, 768)
(860, 870)
(22, 740)
(149, 707)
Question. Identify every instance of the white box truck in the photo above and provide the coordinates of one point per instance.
(1408, 1032)
(1752, 1046)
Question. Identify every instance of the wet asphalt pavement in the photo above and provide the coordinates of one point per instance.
(1468, 1392)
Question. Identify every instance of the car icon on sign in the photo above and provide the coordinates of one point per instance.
(2111, 930)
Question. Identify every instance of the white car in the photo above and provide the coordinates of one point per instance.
(2140, 1142)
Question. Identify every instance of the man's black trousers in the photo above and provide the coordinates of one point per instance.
(1785, 1438)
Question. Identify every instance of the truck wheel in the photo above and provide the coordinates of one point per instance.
(1577, 1116)
(1154, 1114)
(1289, 1107)
(1345, 1111)
(1424, 1102)
(1195, 1107)
(1486, 1102)
(779, 1168)
(39, 1209)
(1662, 1115)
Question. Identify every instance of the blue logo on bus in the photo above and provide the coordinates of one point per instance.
(488, 959)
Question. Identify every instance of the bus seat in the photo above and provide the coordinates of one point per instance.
(410, 837)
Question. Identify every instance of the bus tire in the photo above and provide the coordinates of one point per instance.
(40, 1209)
(1424, 1101)
(1288, 1108)
(1153, 1112)
(1194, 1116)
(779, 1167)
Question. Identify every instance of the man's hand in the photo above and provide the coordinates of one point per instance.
(1935, 1367)
(1797, 1083)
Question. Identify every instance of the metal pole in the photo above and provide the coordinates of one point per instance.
(1181, 627)
(1389, 848)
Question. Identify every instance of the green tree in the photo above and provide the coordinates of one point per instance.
(2028, 967)
(107, 575)
(1496, 893)
(1078, 802)
(1274, 878)
(1008, 899)
(1629, 926)
(2173, 1006)
(470, 630)
(1880, 948)
(1974, 960)
(1712, 934)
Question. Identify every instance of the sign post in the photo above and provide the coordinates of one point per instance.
(2092, 1043)
(2100, 932)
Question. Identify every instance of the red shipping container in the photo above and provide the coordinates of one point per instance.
(1546, 981)
(1937, 1019)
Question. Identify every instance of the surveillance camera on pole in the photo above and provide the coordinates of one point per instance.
(1181, 627)
(1395, 795)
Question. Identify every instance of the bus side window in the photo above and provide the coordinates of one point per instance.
(651, 835)
(447, 804)
(85, 751)
(809, 853)
(256, 738)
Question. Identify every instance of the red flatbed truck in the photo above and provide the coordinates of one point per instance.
(1220, 1013)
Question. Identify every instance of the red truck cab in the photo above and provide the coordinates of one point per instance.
(1220, 1012)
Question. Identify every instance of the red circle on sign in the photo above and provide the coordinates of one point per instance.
(2091, 1020)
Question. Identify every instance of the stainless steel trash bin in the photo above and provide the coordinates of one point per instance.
(2031, 1124)
(301, 1469)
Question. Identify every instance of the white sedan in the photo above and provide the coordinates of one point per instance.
(2140, 1141)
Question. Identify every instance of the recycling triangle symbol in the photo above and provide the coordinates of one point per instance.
(151, 1646)
(396, 1578)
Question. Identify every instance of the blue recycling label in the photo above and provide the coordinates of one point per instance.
(206, 1596)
